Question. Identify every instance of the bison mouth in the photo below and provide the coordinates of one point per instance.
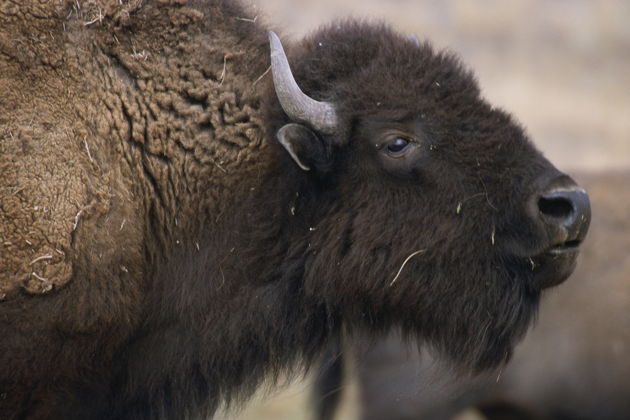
(555, 264)
(565, 248)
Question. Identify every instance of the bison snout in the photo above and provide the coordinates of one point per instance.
(565, 208)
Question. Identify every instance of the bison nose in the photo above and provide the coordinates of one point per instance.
(565, 206)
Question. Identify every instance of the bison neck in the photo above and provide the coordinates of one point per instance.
(222, 252)
(226, 306)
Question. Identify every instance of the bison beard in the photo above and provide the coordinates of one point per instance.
(177, 227)
(563, 369)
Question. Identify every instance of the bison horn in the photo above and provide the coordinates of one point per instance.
(298, 106)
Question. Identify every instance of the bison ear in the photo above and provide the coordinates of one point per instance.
(305, 147)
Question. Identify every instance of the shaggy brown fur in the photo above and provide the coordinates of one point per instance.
(574, 363)
(161, 252)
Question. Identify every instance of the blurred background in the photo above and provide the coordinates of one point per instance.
(561, 67)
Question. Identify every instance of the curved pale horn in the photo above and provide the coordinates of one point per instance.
(299, 107)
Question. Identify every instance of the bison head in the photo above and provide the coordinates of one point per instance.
(432, 209)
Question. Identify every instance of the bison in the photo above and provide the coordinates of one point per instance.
(179, 223)
(574, 364)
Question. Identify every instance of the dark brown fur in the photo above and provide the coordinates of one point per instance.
(573, 365)
(161, 253)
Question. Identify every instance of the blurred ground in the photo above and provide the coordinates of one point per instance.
(562, 68)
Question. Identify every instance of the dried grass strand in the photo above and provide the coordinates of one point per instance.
(43, 257)
(413, 254)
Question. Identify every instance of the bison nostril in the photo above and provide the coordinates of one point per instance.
(566, 206)
(556, 207)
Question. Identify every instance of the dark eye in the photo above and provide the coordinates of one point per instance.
(397, 146)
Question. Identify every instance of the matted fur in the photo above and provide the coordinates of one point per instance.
(162, 253)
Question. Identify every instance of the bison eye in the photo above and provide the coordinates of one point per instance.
(397, 146)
